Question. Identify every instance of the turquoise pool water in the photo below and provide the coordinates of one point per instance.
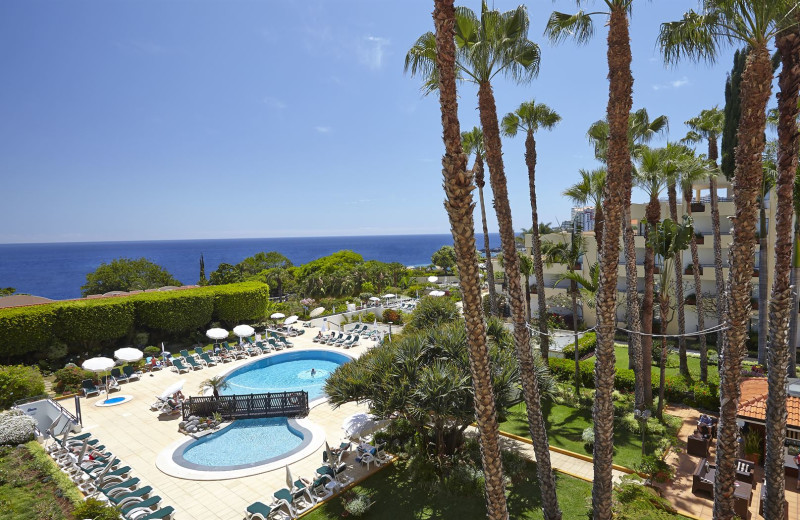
(114, 400)
(286, 372)
(246, 442)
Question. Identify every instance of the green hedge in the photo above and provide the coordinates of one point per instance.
(585, 345)
(26, 329)
(241, 302)
(175, 311)
(676, 388)
(82, 322)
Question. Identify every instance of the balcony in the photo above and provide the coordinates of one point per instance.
(690, 270)
(698, 207)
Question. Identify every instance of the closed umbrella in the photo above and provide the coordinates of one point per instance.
(290, 320)
(289, 478)
(172, 389)
(243, 331)
(316, 312)
(128, 354)
(217, 334)
(324, 325)
(84, 447)
(329, 452)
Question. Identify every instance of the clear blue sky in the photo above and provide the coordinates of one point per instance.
(135, 120)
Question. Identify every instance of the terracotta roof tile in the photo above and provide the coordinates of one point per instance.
(753, 403)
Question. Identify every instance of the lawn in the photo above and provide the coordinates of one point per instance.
(673, 364)
(28, 488)
(398, 495)
(564, 428)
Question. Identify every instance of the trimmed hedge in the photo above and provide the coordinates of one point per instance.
(586, 344)
(241, 302)
(25, 331)
(677, 389)
(82, 322)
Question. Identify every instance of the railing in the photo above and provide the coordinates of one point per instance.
(248, 406)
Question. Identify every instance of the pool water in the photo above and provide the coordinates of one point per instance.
(245, 442)
(114, 400)
(287, 372)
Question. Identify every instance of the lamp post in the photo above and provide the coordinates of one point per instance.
(642, 416)
(390, 331)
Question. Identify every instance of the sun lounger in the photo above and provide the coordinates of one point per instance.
(118, 375)
(88, 388)
(275, 344)
(260, 345)
(146, 506)
(178, 366)
(192, 363)
(119, 487)
(131, 372)
(110, 383)
(209, 361)
(261, 511)
(333, 337)
(343, 340)
(164, 513)
(351, 342)
(319, 490)
(128, 498)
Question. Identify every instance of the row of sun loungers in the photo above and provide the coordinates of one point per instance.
(118, 375)
(98, 474)
(339, 339)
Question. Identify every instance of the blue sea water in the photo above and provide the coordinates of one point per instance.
(58, 270)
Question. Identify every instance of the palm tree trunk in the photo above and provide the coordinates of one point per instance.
(662, 365)
(673, 211)
(536, 247)
(619, 171)
(599, 223)
(522, 340)
(780, 306)
(795, 276)
(486, 248)
(719, 278)
(574, 290)
(460, 206)
(652, 215)
(528, 300)
(698, 294)
(755, 92)
(763, 289)
(634, 317)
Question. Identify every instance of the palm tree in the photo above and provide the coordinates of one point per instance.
(780, 307)
(569, 254)
(620, 88)
(589, 191)
(459, 205)
(651, 178)
(708, 125)
(215, 384)
(767, 183)
(692, 171)
(526, 268)
(492, 44)
(698, 35)
(530, 117)
(473, 143)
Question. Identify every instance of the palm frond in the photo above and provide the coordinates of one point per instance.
(694, 36)
(510, 124)
(562, 26)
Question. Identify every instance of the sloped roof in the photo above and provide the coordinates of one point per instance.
(753, 404)
(22, 300)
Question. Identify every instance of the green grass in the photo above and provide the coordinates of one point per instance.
(673, 364)
(398, 495)
(564, 428)
(32, 487)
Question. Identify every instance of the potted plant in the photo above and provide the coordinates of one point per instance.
(752, 445)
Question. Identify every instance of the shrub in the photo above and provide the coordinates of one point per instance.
(629, 423)
(357, 503)
(464, 480)
(68, 379)
(392, 315)
(152, 351)
(432, 312)
(89, 321)
(241, 302)
(96, 510)
(26, 329)
(368, 317)
(585, 345)
(19, 382)
(588, 438)
(175, 311)
(15, 428)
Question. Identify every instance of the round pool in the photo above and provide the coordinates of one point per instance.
(113, 401)
(286, 372)
(244, 444)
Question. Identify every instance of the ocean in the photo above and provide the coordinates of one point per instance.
(58, 270)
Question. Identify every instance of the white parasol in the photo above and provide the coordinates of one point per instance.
(243, 331)
(217, 334)
(172, 389)
(433, 279)
(374, 299)
(98, 364)
(362, 424)
(277, 315)
(316, 312)
(128, 354)
(436, 293)
(390, 295)
(290, 320)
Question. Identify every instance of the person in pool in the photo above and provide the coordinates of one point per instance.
(313, 372)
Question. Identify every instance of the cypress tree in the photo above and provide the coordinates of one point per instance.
(203, 280)
(733, 111)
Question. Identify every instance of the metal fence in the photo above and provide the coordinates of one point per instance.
(248, 406)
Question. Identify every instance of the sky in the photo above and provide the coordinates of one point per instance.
(162, 120)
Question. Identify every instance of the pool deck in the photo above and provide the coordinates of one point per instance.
(137, 436)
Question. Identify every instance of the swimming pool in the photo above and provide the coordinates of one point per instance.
(243, 444)
(286, 372)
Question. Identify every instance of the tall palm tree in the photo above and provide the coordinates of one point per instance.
(569, 254)
(651, 178)
(589, 191)
(698, 35)
(459, 205)
(530, 117)
(693, 169)
(526, 269)
(767, 183)
(708, 125)
(473, 143)
(580, 26)
(788, 43)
